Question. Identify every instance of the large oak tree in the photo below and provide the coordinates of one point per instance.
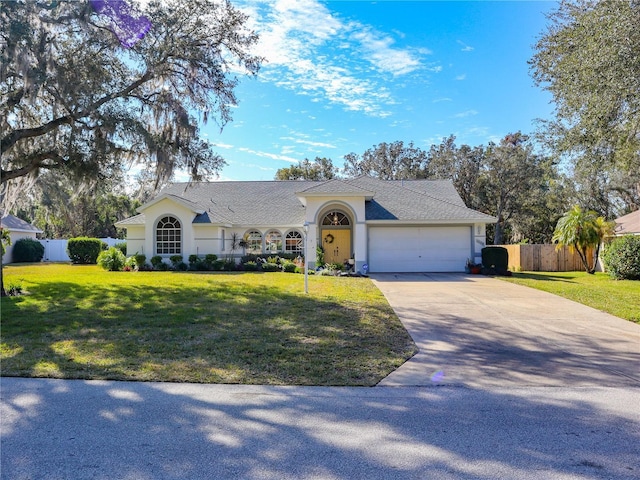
(589, 60)
(76, 98)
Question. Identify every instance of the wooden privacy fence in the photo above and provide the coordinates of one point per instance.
(543, 258)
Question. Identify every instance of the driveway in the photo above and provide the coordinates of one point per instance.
(479, 331)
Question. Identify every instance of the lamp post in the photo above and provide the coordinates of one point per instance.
(306, 259)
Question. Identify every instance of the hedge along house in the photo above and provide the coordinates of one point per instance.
(18, 229)
(391, 226)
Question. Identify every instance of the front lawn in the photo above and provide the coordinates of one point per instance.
(254, 328)
(617, 297)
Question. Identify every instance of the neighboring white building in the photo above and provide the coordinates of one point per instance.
(18, 229)
(391, 226)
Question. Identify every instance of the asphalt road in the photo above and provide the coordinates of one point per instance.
(56, 429)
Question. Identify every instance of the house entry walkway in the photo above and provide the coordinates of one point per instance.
(479, 331)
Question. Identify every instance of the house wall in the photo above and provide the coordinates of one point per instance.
(15, 236)
(156, 212)
(317, 207)
(136, 241)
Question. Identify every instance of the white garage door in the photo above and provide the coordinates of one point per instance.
(419, 249)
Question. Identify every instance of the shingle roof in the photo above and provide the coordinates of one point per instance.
(13, 223)
(268, 203)
(627, 224)
(336, 187)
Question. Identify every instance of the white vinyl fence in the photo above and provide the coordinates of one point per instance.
(56, 250)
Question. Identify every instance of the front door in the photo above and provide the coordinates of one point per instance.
(337, 245)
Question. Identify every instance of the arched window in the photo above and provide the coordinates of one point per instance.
(335, 219)
(254, 241)
(273, 242)
(293, 242)
(168, 236)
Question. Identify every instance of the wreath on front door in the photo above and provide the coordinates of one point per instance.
(329, 238)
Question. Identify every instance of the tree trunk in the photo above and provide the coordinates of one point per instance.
(3, 292)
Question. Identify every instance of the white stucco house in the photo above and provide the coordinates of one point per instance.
(389, 226)
(18, 229)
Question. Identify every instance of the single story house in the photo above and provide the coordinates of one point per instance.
(18, 229)
(628, 224)
(387, 226)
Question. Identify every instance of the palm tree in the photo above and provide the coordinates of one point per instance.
(580, 231)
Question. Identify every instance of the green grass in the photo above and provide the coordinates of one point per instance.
(252, 328)
(617, 297)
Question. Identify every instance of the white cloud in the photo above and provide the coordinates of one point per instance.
(465, 47)
(461, 77)
(313, 52)
(468, 113)
(222, 145)
(379, 51)
(273, 156)
(308, 142)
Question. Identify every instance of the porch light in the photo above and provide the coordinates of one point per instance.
(306, 258)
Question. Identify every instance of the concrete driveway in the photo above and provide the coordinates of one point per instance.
(478, 331)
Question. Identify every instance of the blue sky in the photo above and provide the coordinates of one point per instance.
(343, 76)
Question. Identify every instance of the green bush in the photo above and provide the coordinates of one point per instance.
(140, 260)
(175, 260)
(288, 266)
(122, 246)
(216, 265)
(112, 259)
(130, 264)
(27, 250)
(156, 262)
(270, 267)
(250, 266)
(622, 258)
(85, 250)
(229, 265)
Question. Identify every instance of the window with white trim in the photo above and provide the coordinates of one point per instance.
(168, 236)
(293, 242)
(254, 241)
(335, 219)
(273, 242)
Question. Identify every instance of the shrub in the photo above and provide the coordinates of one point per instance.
(130, 264)
(85, 250)
(140, 260)
(27, 250)
(622, 258)
(122, 246)
(250, 266)
(193, 259)
(156, 262)
(270, 267)
(181, 266)
(229, 265)
(288, 266)
(112, 260)
(176, 260)
(217, 265)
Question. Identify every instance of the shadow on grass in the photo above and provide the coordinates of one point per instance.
(543, 276)
(219, 332)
